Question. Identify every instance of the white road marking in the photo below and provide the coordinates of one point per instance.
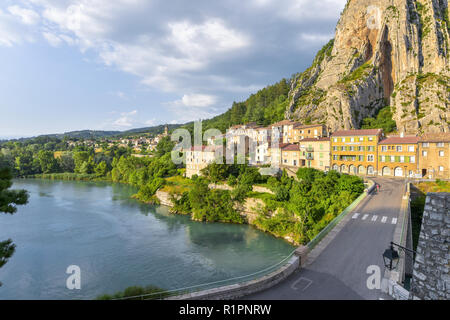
(355, 216)
(374, 218)
(394, 220)
(384, 219)
(365, 217)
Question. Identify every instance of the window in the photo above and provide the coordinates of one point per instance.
(399, 148)
(360, 158)
(440, 145)
(352, 148)
(384, 148)
(335, 140)
(424, 153)
(441, 169)
(361, 139)
(371, 148)
(335, 157)
(352, 139)
(425, 144)
(360, 148)
(402, 159)
(383, 158)
(411, 149)
(343, 139)
(441, 153)
(370, 158)
(370, 138)
(412, 159)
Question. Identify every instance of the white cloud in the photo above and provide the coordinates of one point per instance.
(12, 31)
(197, 100)
(27, 16)
(127, 119)
(52, 39)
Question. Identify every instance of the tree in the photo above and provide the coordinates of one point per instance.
(9, 199)
(47, 161)
(80, 158)
(101, 169)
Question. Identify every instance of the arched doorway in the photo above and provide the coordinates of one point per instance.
(386, 171)
(343, 168)
(336, 167)
(352, 169)
(361, 170)
(398, 172)
(370, 171)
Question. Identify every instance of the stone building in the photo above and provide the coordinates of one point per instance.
(431, 277)
(434, 155)
(398, 157)
(356, 151)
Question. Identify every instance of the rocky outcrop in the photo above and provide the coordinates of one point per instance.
(385, 53)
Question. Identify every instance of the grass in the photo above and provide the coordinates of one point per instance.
(438, 186)
(177, 185)
(418, 204)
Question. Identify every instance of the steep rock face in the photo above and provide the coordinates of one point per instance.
(385, 52)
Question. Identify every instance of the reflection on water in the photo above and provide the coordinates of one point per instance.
(118, 242)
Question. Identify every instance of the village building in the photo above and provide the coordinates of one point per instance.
(316, 153)
(199, 157)
(434, 155)
(290, 156)
(356, 151)
(398, 157)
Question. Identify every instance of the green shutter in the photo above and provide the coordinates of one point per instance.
(407, 159)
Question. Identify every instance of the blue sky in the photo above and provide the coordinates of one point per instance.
(122, 64)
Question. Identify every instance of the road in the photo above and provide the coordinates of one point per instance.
(339, 271)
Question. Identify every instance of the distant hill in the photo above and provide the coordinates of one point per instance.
(96, 134)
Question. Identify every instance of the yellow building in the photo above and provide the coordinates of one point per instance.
(356, 151)
(300, 132)
(290, 156)
(434, 156)
(398, 157)
(316, 153)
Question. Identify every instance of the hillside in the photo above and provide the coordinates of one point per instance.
(385, 53)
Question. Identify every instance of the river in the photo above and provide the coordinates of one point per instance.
(118, 242)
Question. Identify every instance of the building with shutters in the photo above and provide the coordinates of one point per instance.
(399, 157)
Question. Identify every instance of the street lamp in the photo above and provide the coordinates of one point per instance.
(391, 258)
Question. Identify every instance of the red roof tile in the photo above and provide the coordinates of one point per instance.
(436, 137)
(363, 132)
(291, 147)
(400, 140)
(315, 139)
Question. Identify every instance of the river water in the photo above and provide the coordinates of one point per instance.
(118, 242)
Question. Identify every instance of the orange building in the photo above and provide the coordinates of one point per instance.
(434, 155)
(356, 151)
(398, 157)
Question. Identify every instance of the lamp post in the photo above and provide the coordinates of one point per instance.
(391, 259)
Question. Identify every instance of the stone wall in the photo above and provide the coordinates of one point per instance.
(431, 278)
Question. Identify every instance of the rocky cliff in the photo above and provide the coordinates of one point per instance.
(385, 53)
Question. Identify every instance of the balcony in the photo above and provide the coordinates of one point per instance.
(309, 156)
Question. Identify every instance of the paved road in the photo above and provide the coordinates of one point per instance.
(339, 272)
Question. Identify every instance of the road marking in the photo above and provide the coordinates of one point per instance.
(384, 219)
(394, 220)
(365, 217)
(374, 218)
(355, 216)
(295, 286)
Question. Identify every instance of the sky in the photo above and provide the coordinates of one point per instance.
(120, 64)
